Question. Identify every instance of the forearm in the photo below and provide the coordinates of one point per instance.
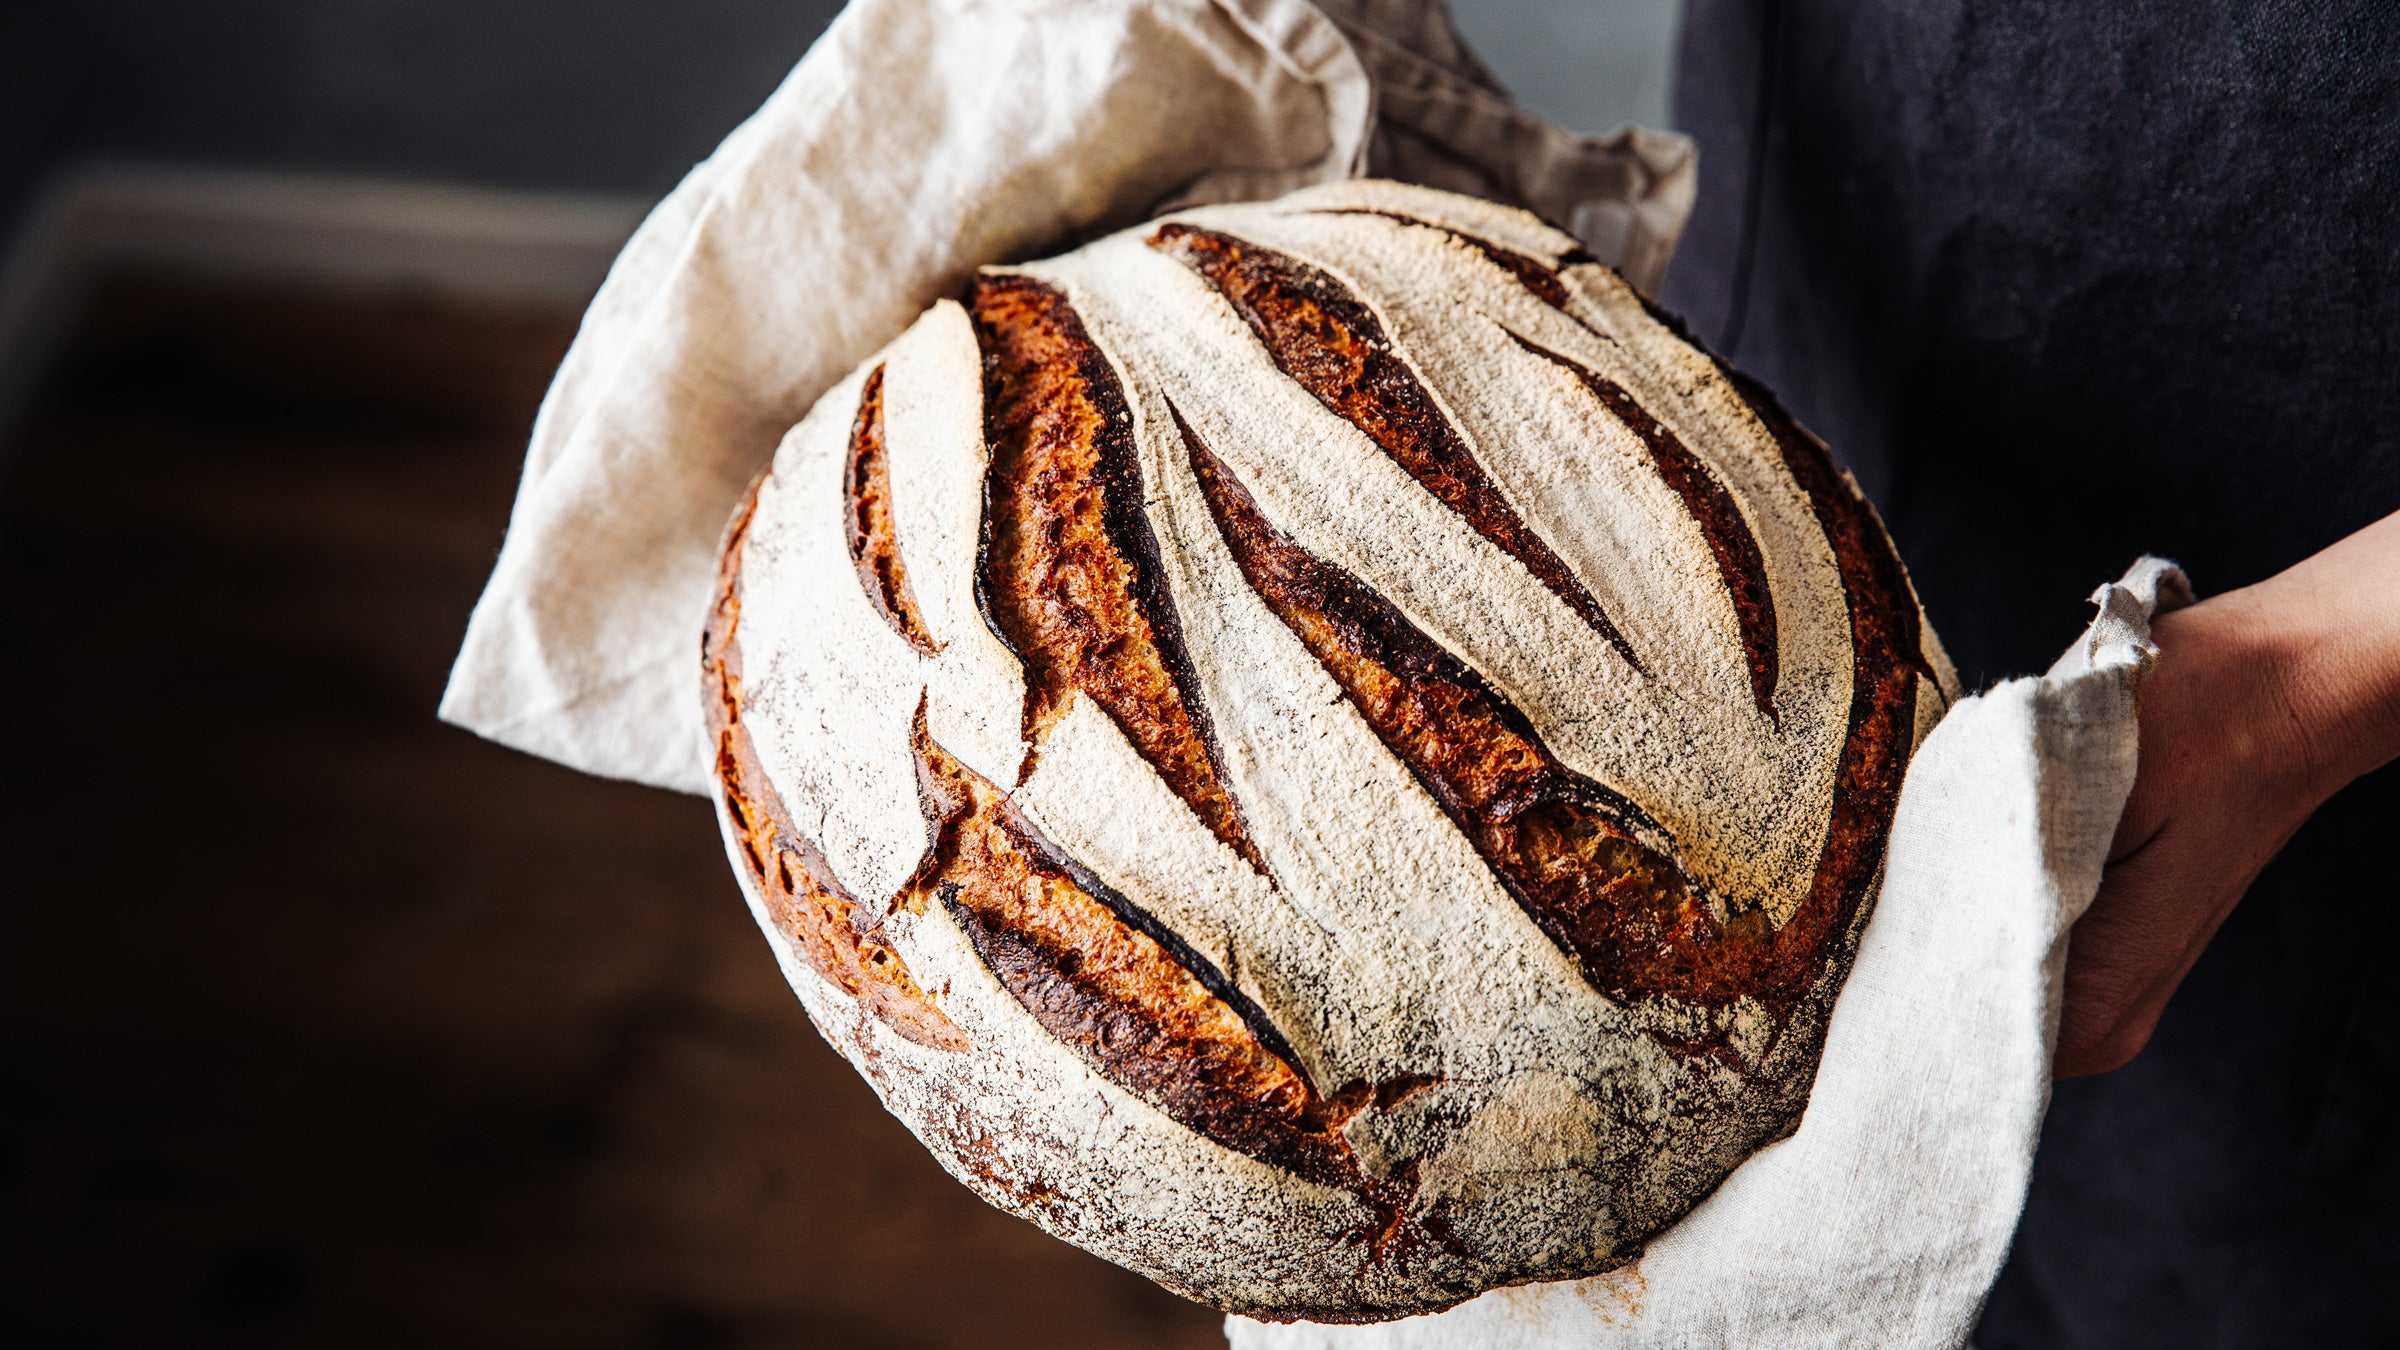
(2331, 624)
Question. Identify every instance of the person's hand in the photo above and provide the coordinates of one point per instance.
(2264, 702)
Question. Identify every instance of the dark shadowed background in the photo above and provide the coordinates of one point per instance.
(322, 1023)
(618, 95)
(611, 94)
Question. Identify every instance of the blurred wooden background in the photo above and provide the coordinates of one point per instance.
(324, 1024)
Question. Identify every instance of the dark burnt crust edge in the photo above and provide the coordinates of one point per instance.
(867, 524)
(1329, 342)
(1739, 563)
(1887, 660)
(803, 898)
(1131, 545)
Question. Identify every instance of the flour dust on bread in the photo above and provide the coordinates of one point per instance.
(1318, 750)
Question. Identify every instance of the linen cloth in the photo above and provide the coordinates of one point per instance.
(922, 138)
(918, 140)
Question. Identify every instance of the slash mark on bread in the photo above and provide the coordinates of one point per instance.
(1739, 564)
(1571, 852)
(1886, 650)
(1887, 645)
(1331, 344)
(867, 522)
(1729, 538)
(1537, 276)
(1106, 978)
(806, 902)
(1069, 572)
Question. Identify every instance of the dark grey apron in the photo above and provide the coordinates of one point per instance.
(2067, 281)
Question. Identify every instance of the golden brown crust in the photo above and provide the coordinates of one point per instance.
(867, 522)
(1070, 571)
(802, 896)
(1551, 1112)
(1331, 344)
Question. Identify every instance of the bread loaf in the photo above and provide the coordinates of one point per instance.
(1319, 750)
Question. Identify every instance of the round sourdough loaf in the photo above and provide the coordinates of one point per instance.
(1319, 750)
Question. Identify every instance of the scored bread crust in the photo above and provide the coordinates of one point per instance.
(1320, 751)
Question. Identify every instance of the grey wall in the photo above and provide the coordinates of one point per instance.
(616, 95)
(1588, 65)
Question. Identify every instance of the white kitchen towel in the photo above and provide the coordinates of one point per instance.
(918, 140)
(1884, 1220)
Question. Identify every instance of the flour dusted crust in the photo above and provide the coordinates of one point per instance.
(1318, 750)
